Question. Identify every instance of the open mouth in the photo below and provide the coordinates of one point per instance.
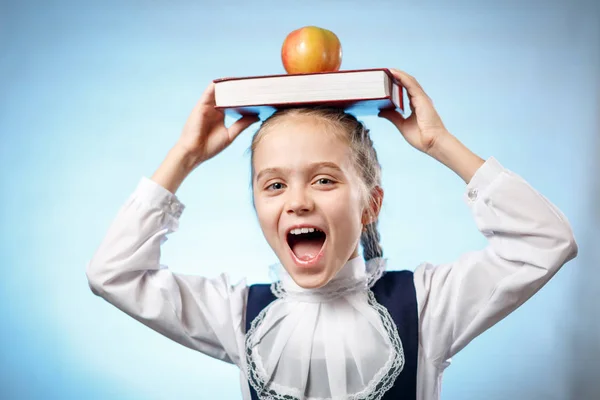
(306, 243)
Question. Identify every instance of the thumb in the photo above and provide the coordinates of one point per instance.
(241, 124)
(394, 117)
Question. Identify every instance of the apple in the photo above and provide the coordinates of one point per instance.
(311, 49)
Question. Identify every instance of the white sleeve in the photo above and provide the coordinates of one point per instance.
(529, 240)
(203, 314)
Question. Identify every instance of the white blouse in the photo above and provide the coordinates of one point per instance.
(529, 240)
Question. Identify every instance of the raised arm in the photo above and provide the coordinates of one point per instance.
(529, 239)
(126, 271)
(200, 313)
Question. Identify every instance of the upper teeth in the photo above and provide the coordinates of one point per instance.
(300, 231)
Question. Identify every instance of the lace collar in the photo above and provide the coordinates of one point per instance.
(331, 343)
(355, 275)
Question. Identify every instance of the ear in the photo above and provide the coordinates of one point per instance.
(371, 212)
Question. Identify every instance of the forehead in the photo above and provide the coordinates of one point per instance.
(300, 140)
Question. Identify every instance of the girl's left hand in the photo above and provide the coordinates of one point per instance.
(424, 127)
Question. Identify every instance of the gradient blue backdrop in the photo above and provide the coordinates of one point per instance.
(92, 96)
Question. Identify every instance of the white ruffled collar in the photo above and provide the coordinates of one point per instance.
(334, 342)
(355, 275)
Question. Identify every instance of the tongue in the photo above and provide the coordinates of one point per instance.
(307, 249)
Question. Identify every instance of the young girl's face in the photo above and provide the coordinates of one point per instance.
(308, 197)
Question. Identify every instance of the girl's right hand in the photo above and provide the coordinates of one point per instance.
(205, 134)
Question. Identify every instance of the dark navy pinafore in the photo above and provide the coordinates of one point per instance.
(395, 290)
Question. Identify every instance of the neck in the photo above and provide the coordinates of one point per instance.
(353, 270)
(355, 275)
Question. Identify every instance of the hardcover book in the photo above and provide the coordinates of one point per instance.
(362, 92)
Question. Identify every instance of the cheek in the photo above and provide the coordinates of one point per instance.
(267, 212)
(347, 217)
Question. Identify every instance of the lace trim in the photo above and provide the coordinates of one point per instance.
(337, 288)
(375, 389)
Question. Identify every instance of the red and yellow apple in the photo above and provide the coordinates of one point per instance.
(311, 49)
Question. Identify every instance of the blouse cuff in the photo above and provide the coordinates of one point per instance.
(157, 196)
(484, 176)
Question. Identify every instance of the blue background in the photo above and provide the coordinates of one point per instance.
(92, 96)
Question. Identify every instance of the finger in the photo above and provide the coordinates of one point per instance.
(394, 117)
(413, 87)
(208, 96)
(417, 96)
(406, 79)
(241, 124)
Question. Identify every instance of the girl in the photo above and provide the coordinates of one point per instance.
(333, 325)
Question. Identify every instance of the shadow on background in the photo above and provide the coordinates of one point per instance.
(584, 328)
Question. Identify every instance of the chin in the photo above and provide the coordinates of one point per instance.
(312, 280)
(318, 275)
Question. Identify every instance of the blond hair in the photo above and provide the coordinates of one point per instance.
(364, 158)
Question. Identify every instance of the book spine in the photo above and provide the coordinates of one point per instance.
(396, 96)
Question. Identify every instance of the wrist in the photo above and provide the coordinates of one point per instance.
(441, 146)
(444, 145)
(186, 159)
(449, 151)
(175, 168)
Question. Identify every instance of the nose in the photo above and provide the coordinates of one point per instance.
(299, 202)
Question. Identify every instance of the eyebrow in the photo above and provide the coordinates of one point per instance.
(313, 166)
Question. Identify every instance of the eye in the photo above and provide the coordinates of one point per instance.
(275, 186)
(325, 181)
